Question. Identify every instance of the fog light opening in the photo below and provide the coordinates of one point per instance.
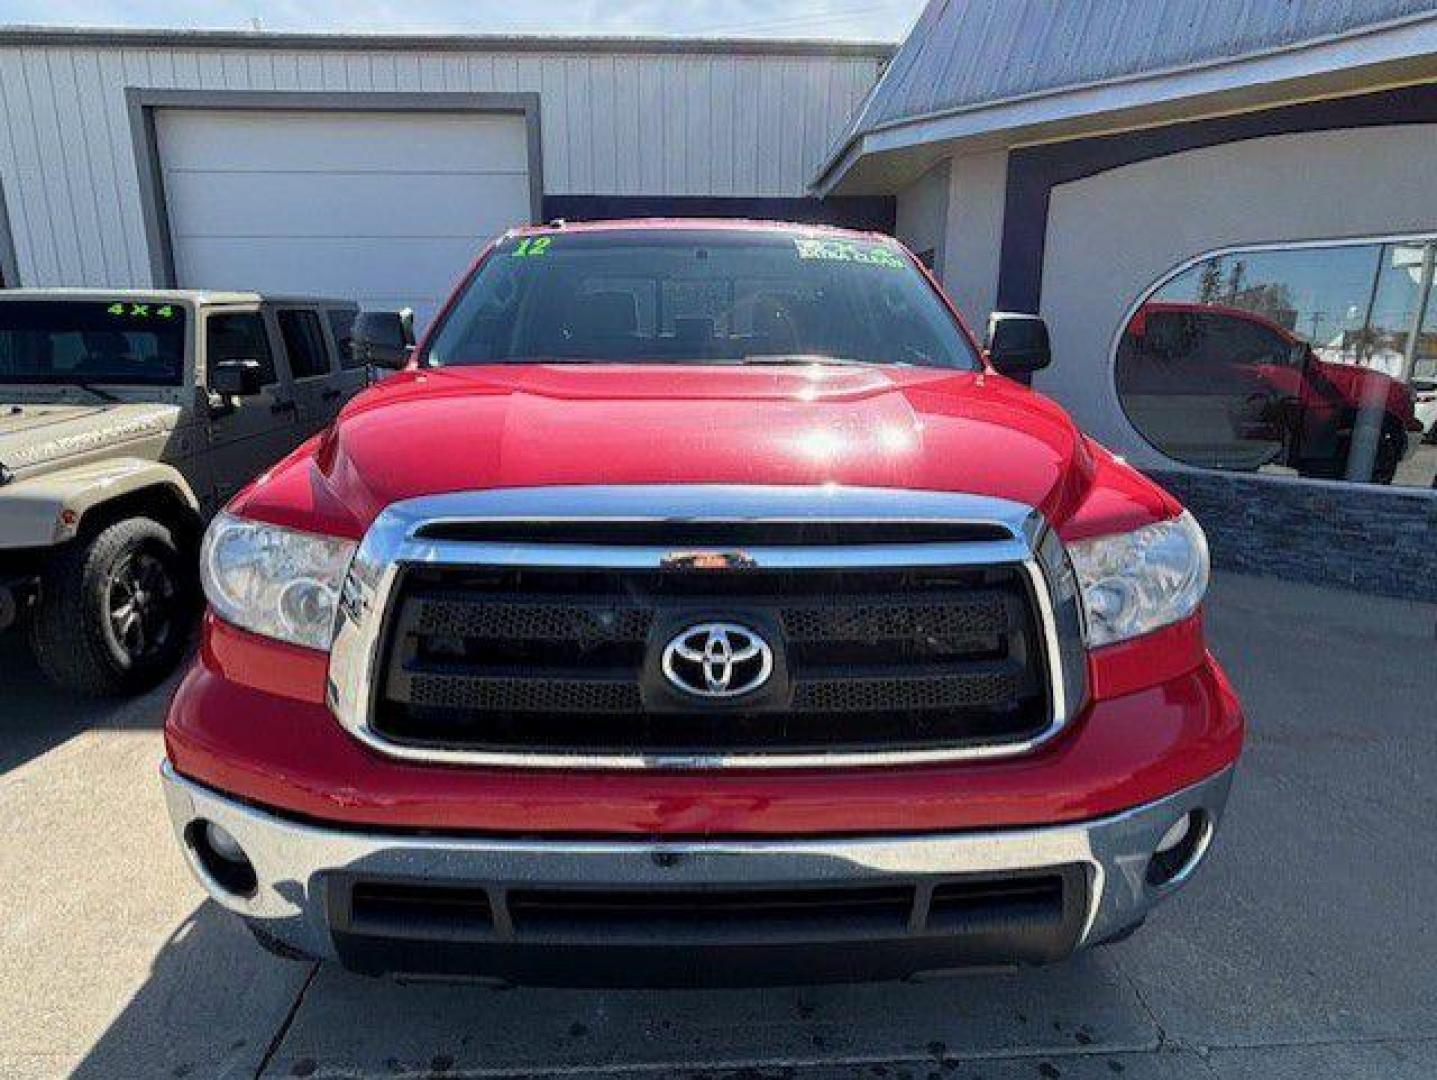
(1180, 849)
(222, 858)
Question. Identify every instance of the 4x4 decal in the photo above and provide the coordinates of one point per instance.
(141, 311)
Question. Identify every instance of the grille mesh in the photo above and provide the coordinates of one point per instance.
(567, 661)
(491, 620)
(532, 695)
(868, 622)
(892, 693)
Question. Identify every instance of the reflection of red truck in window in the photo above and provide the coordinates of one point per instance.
(1264, 394)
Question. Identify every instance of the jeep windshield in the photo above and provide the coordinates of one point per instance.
(89, 342)
(698, 296)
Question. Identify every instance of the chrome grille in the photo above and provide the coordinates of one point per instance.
(525, 660)
(459, 640)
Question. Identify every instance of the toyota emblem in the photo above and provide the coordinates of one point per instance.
(717, 660)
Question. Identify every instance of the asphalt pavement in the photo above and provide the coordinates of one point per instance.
(1306, 948)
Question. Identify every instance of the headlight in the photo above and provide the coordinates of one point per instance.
(274, 581)
(1136, 582)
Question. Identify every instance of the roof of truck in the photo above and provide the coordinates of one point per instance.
(699, 223)
(195, 296)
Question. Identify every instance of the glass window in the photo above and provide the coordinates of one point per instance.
(698, 296)
(1311, 361)
(239, 336)
(341, 325)
(303, 343)
(75, 342)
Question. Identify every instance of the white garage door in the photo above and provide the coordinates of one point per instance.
(383, 208)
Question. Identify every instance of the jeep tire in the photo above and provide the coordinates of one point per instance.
(116, 610)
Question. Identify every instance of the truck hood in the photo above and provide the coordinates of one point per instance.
(426, 432)
(1363, 387)
(32, 436)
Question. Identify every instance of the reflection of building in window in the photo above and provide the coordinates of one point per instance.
(1307, 360)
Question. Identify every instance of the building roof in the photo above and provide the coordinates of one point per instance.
(967, 56)
(125, 37)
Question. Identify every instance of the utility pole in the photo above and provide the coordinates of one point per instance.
(1372, 405)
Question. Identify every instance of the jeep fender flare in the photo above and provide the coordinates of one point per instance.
(51, 508)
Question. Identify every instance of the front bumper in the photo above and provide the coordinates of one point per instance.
(477, 905)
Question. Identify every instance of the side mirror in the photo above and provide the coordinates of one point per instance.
(236, 378)
(382, 338)
(1018, 344)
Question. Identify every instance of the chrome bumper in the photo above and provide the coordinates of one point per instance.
(293, 861)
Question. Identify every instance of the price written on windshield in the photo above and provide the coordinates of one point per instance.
(848, 251)
(142, 311)
(532, 247)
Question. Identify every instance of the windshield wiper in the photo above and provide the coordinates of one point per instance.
(808, 359)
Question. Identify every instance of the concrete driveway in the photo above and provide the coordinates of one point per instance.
(1306, 949)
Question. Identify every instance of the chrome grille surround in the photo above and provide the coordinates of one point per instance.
(395, 541)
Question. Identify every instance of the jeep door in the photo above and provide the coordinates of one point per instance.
(353, 375)
(317, 392)
(248, 434)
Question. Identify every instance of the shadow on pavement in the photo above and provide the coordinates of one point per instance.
(36, 717)
(215, 1004)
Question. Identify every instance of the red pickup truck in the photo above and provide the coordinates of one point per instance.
(700, 603)
(1220, 386)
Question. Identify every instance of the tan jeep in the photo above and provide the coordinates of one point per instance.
(126, 419)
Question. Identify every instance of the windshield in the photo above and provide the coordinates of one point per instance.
(79, 342)
(698, 296)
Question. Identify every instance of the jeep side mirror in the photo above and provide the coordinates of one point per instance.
(1018, 344)
(236, 378)
(382, 338)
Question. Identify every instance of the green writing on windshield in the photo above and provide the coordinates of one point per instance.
(530, 246)
(141, 311)
(849, 251)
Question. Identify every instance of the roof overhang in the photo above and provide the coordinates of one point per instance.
(885, 157)
(125, 37)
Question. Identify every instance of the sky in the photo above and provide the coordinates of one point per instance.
(886, 20)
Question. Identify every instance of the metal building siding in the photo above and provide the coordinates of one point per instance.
(613, 123)
(970, 52)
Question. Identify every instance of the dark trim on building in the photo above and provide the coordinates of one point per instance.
(1353, 536)
(1034, 171)
(872, 213)
(153, 203)
(100, 37)
(9, 258)
(142, 103)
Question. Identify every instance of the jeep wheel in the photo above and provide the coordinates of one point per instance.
(116, 610)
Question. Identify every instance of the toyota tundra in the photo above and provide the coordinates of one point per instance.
(699, 603)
